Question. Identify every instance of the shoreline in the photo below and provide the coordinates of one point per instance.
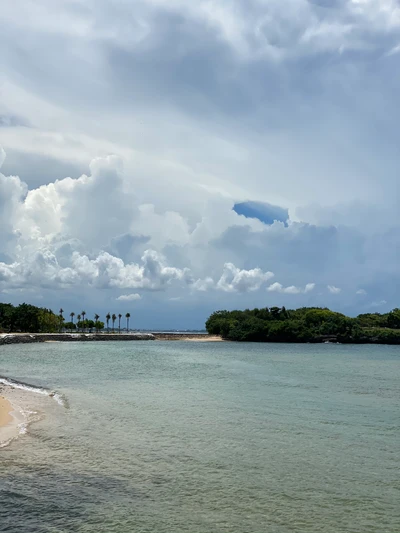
(29, 338)
(194, 337)
(13, 421)
(22, 405)
(5, 412)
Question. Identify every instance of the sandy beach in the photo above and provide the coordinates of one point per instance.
(5, 410)
(187, 337)
(10, 420)
(210, 338)
(22, 405)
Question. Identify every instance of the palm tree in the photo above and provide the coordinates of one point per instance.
(113, 318)
(127, 316)
(96, 321)
(83, 313)
(78, 317)
(61, 318)
(108, 316)
(119, 322)
(72, 319)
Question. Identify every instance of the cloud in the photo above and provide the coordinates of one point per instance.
(334, 290)
(362, 292)
(203, 285)
(138, 178)
(234, 279)
(278, 287)
(106, 271)
(48, 243)
(129, 297)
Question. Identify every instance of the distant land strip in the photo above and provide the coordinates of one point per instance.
(27, 338)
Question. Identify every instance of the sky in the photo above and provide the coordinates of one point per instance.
(172, 158)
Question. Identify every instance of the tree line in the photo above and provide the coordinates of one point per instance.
(31, 319)
(307, 324)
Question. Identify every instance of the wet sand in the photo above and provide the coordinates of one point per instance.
(22, 405)
(18, 409)
(5, 410)
(9, 422)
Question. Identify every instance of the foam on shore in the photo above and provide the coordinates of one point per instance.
(20, 408)
(58, 397)
(14, 421)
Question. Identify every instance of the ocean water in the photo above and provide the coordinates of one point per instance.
(205, 437)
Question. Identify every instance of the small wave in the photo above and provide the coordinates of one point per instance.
(57, 396)
(5, 443)
(60, 399)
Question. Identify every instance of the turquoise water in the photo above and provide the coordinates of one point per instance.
(206, 437)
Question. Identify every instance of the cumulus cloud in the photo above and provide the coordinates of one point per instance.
(334, 290)
(42, 269)
(12, 193)
(203, 285)
(234, 279)
(278, 287)
(107, 270)
(129, 297)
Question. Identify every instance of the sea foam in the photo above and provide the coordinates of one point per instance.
(57, 396)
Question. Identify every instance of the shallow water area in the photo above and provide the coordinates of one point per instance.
(211, 437)
(26, 408)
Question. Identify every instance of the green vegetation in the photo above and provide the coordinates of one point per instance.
(28, 318)
(308, 324)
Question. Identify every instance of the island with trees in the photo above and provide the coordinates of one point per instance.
(307, 324)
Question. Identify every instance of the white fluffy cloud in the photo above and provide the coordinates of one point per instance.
(278, 287)
(334, 290)
(103, 272)
(234, 279)
(129, 297)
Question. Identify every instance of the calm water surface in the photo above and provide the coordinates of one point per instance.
(206, 437)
